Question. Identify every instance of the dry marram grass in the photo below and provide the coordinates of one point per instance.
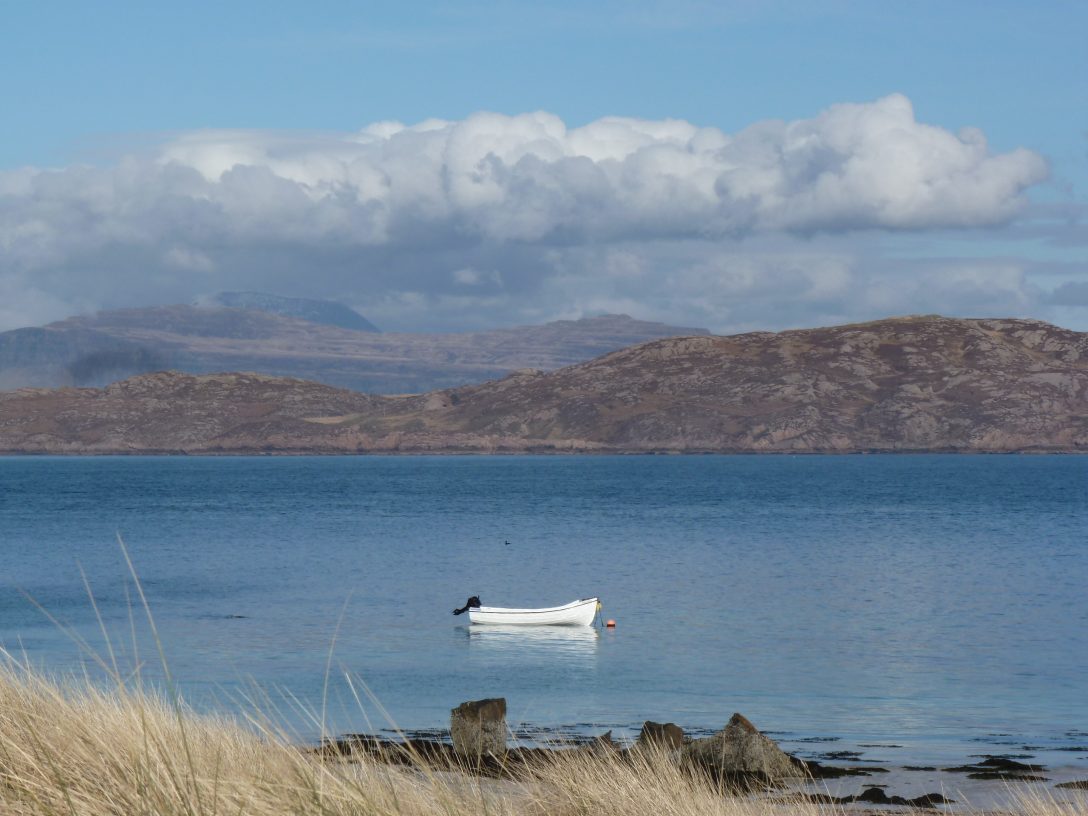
(71, 747)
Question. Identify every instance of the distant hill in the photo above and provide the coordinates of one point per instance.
(903, 384)
(108, 346)
(325, 312)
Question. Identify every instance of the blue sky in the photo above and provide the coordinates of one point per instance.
(93, 89)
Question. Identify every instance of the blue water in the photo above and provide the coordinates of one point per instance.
(937, 604)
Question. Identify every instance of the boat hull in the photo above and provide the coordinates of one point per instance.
(576, 613)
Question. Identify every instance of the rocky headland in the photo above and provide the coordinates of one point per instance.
(922, 383)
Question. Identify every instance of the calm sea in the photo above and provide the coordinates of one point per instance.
(930, 606)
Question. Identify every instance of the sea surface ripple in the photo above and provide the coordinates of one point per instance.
(913, 608)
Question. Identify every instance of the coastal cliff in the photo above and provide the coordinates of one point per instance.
(925, 383)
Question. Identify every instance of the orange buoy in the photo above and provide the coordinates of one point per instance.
(611, 624)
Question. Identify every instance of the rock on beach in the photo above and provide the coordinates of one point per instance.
(478, 729)
(667, 736)
(741, 756)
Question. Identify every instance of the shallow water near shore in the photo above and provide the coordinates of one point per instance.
(908, 610)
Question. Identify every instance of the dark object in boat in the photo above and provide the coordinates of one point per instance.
(471, 603)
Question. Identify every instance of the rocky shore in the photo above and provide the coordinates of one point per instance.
(738, 759)
(76, 747)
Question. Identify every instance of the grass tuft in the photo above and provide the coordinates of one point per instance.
(69, 746)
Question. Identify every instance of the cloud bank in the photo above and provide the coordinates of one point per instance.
(492, 212)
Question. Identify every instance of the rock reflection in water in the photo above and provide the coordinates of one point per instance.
(534, 642)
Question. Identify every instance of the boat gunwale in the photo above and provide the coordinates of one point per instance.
(502, 610)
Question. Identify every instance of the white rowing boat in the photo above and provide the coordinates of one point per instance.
(576, 613)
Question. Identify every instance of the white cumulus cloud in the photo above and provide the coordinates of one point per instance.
(393, 212)
(529, 177)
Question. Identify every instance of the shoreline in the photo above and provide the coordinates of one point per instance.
(126, 748)
(74, 748)
(985, 782)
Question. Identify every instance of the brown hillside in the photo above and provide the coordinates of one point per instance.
(903, 384)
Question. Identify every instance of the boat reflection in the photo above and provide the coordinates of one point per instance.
(534, 641)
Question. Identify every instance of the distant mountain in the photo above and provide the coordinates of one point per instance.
(904, 384)
(325, 312)
(109, 346)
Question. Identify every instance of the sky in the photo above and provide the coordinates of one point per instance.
(452, 167)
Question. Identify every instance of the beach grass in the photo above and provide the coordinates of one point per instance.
(72, 746)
